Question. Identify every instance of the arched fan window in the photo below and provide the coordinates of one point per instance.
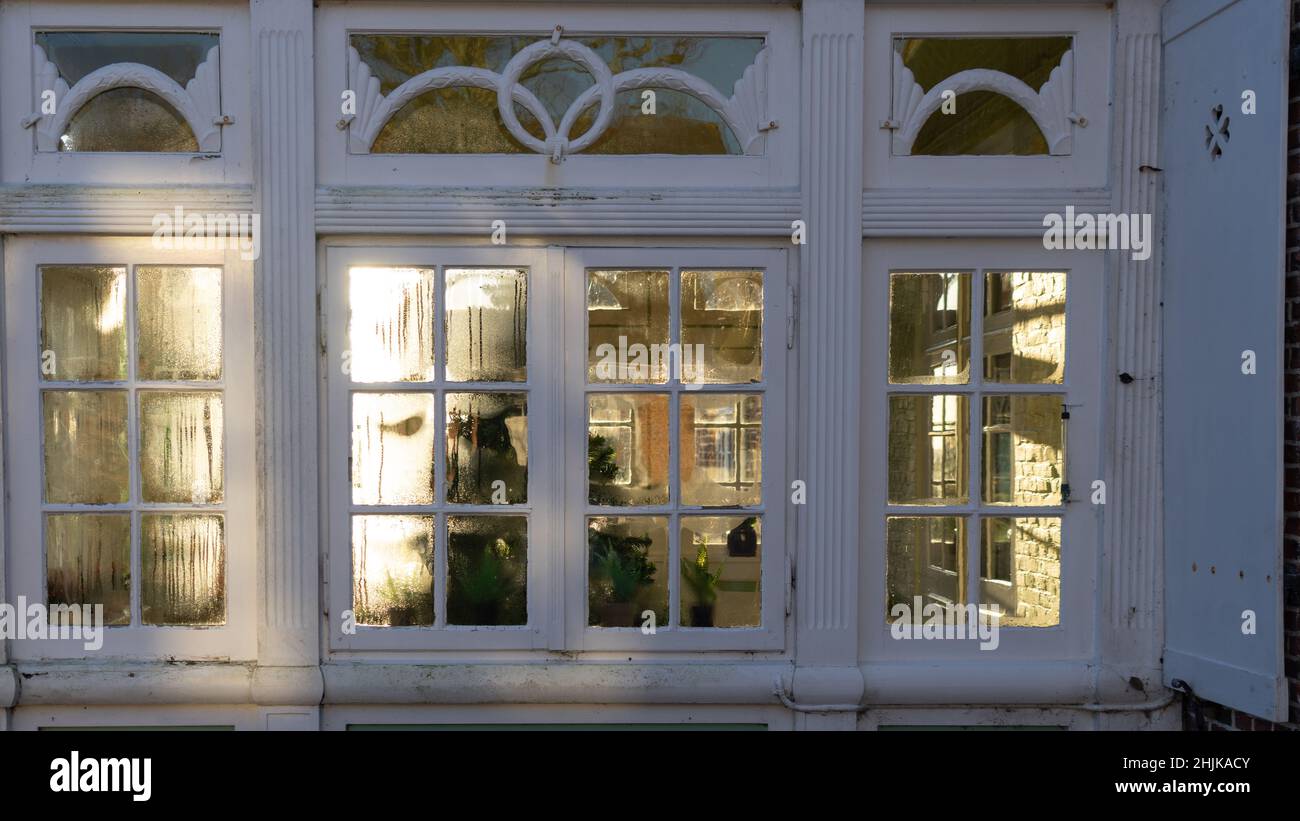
(127, 91)
(982, 95)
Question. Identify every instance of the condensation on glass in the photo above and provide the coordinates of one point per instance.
(487, 448)
(984, 122)
(127, 118)
(391, 324)
(487, 570)
(487, 324)
(627, 571)
(627, 326)
(160, 415)
(393, 569)
(88, 562)
(462, 120)
(182, 569)
(699, 333)
(442, 429)
(722, 327)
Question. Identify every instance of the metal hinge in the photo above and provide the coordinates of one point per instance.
(320, 324)
(789, 585)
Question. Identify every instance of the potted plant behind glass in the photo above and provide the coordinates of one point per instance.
(620, 571)
(703, 584)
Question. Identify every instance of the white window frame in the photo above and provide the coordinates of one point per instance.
(1085, 350)
(543, 504)
(19, 21)
(235, 640)
(1086, 164)
(777, 166)
(557, 372)
(777, 359)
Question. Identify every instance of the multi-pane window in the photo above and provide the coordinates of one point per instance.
(436, 369)
(133, 441)
(977, 513)
(675, 440)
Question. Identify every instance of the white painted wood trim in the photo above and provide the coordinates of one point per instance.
(288, 355)
(1131, 605)
(829, 345)
(985, 212)
(548, 212)
(120, 210)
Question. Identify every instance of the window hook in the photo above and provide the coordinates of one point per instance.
(555, 34)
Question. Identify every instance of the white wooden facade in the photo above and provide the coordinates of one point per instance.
(824, 658)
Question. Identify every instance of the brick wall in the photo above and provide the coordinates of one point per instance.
(1206, 715)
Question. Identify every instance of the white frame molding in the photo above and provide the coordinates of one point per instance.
(776, 166)
(776, 372)
(893, 115)
(543, 502)
(236, 640)
(224, 89)
(199, 102)
(1072, 639)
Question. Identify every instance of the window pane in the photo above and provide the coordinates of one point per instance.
(181, 447)
(178, 314)
(85, 447)
(392, 570)
(83, 322)
(487, 570)
(721, 571)
(927, 449)
(391, 324)
(929, 328)
(925, 558)
(627, 449)
(1033, 596)
(721, 451)
(627, 326)
(487, 325)
(722, 326)
(984, 122)
(1023, 449)
(88, 561)
(465, 120)
(128, 119)
(627, 570)
(183, 561)
(1030, 332)
(487, 448)
(393, 437)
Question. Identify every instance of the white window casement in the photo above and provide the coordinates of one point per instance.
(91, 100)
(979, 484)
(127, 386)
(496, 482)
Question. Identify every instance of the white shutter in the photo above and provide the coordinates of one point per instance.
(1225, 189)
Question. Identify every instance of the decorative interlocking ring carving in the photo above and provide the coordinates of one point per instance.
(743, 112)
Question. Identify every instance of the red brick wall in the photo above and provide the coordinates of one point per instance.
(1215, 716)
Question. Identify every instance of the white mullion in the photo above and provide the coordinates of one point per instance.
(975, 436)
(442, 544)
(135, 493)
(674, 447)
